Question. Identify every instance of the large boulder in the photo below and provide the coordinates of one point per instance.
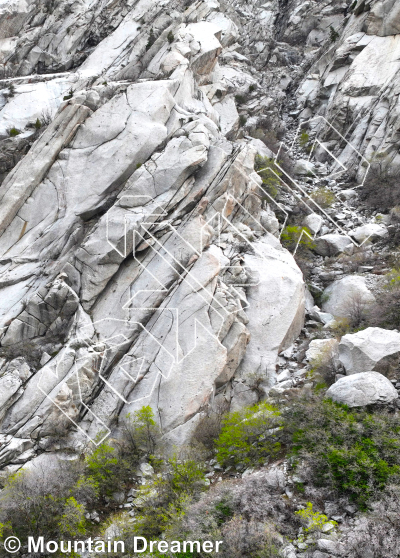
(364, 388)
(346, 297)
(275, 308)
(373, 348)
(371, 231)
(332, 244)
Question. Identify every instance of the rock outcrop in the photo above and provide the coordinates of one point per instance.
(135, 265)
(140, 259)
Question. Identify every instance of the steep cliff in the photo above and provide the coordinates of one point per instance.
(134, 263)
(140, 260)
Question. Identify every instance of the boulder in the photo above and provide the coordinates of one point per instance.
(361, 389)
(347, 297)
(279, 288)
(303, 167)
(348, 194)
(371, 231)
(289, 551)
(332, 244)
(313, 222)
(146, 470)
(204, 45)
(373, 348)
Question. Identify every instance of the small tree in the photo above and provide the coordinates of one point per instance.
(333, 34)
(142, 433)
(14, 132)
(165, 497)
(151, 39)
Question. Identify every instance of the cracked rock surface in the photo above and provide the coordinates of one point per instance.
(134, 266)
(140, 260)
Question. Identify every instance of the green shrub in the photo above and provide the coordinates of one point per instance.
(242, 120)
(85, 490)
(293, 235)
(11, 90)
(270, 174)
(14, 132)
(313, 520)
(166, 496)
(73, 522)
(393, 279)
(249, 436)
(38, 124)
(170, 37)
(223, 511)
(323, 197)
(304, 139)
(69, 95)
(353, 452)
(106, 469)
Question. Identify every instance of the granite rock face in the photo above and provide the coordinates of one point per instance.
(140, 260)
(134, 264)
